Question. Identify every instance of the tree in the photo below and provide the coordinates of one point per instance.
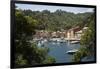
(27, 53)
(87, 41)
(57, 20)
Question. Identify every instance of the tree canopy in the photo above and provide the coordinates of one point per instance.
(57, 20)
(87, 41)
(27, 53)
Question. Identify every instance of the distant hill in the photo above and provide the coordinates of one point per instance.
(57, 20)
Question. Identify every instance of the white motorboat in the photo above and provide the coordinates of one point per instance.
(72, 51)
(74, 42)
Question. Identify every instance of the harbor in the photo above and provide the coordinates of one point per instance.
(62, 44)
(60, 49)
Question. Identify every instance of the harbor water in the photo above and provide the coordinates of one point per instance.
(58, 51)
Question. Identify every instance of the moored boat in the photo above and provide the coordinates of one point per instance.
(74, 42)
(72, 51)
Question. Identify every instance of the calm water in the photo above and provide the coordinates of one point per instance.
(58, 51)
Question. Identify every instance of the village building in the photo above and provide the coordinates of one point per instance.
(76, 32)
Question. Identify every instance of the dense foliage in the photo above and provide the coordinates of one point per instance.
(27, 53)
(57, 20)
(87, 41)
